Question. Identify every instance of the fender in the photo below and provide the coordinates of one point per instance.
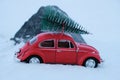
(83, 58)
(33, 52)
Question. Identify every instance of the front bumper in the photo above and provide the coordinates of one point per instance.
(101, 60)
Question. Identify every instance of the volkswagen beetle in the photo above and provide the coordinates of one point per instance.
(58, 48)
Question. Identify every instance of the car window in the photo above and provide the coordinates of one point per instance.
(47, 43)
(71, 45)
(65, 44)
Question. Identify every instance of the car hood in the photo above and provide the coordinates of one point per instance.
(86, 47)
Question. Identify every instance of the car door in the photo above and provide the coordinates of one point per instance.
(66, 52)
(47, 47)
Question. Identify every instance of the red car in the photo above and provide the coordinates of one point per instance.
(58, 48)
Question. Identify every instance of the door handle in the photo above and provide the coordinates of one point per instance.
(59, 50)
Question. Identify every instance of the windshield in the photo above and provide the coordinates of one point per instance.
(33, 40)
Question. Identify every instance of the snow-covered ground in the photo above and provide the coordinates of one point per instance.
(100, 17)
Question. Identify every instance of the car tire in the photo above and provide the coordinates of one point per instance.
(90, 63)
(34, 59)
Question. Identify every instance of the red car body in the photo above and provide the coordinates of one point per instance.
(58, 48)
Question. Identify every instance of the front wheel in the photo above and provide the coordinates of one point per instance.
(91, 63)
(34, 59)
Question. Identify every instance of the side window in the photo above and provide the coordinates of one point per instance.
(65, 44)
(71, 45)
(47, 43)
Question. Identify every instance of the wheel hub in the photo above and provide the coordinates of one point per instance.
(90, 63)
(34, 60)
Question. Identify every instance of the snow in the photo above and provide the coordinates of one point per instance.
(100, 17)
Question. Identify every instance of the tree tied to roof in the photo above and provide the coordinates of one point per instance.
(54, 20)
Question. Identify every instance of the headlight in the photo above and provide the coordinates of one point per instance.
(93, 52)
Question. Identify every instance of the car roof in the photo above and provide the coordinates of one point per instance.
(50, 35)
